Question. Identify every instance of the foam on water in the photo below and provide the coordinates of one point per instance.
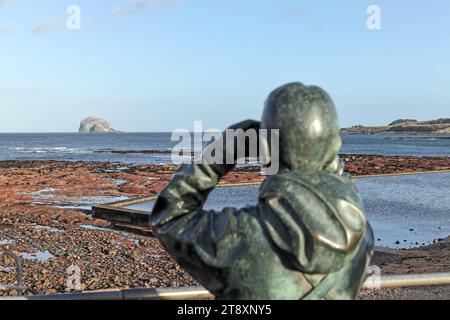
(49, 150)
(92, 147)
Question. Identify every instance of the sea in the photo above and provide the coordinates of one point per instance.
(139, 148)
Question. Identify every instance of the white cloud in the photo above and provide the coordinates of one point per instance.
(49, 26)
(6, 30)
(3, 2)
(134, 6)
(296, 12)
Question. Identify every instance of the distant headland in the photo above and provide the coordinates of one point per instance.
(404, 126)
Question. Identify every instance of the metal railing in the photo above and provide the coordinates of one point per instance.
(200, 293)
(19, 287)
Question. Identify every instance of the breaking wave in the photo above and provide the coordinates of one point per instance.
(49, 150)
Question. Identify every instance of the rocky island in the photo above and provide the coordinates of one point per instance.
(404, 126)
(95, 125)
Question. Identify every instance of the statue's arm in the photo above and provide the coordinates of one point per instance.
(185, 194)
(190, 186)
(203, 242)
(200, 240)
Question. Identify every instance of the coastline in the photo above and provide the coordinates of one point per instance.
(43, 219)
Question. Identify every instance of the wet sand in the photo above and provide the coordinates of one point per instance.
(44, 218)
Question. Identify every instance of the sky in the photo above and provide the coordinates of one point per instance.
(159, 65)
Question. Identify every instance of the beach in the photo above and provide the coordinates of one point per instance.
(45, 218)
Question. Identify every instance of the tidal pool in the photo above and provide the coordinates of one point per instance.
(41, 256)
(404, 211)
(6, 241)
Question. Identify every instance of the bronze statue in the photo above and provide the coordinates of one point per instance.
(307, 238)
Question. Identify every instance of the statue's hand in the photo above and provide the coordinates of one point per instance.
(336, 166)
(246, 125)
(230, 147)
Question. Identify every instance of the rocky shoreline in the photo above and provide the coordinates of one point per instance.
(404, 126)
(44, 218)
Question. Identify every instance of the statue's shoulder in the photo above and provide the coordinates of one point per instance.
(325, 204)
(301, 185)
(329, 184)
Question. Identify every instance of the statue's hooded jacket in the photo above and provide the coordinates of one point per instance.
(307, 237)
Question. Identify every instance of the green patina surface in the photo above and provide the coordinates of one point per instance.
(307, 238)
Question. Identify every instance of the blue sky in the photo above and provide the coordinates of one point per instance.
(158, 65)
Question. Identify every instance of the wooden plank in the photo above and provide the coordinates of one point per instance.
(121, 215)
